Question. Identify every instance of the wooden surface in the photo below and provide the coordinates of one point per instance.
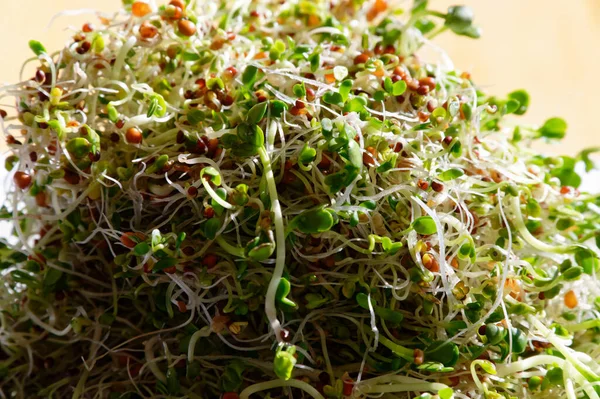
(547, 47)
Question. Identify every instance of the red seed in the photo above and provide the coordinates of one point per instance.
(87, 28)
(398, 147)
(171, 270)
(71, 177)
(210, 260)
(3, 114)
(348, 387)
(22, 180)
(418, 356)
(120, 123)
(84, 47)
(133, 135)
(40, 76)
(422, 184)
(127, 240)
(114, 137)
(209, 212)
(230, 395)
(423, 90)
(182, 307)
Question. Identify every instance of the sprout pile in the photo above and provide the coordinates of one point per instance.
(288, 199)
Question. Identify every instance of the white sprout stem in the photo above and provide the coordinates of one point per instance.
(293, 383)
(270, 305)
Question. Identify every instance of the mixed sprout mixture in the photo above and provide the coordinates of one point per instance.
(296, 199)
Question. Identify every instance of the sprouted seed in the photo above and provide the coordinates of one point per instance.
(270, 199)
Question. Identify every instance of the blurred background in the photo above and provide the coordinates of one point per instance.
(546, 47)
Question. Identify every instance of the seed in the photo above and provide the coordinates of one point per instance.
(171, 270)
(172, 51)
(571, 300)
(227, 100)
(182, 307)
(133, 135)
(418, 356)
(40, 199)
(186, 27)
(361, 58)
(120, 123)
(87, 28)
(423, 116)
(429, 82)
(192, 191)
(213, 145)
(139, 9)
(423, 90)
(174, 12)
(412, 84)
(148, 31)
(431, 105)
(33, 156)
(369, 156)
(422, 184)
(310, 94)
(3, 114)
(84, 47)
(230, 72)
(430, 263)
(210, 260)
(285, 334)
(437, 186)
(178, 3)
(127, 241)
(22, 180)
(448, 140)
(114, 137)
(300, 104)
(71, 177)
(40, 76)
(209, 212)
(482, 329)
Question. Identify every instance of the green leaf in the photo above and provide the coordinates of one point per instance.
(214, 174)
(78, 147)
(249, 75)
(450, 174)
(443, 352)
(424, 225)
(586, 259)
(313, 221)
(195, 116)
(283, 290)
(307, 155)
(446, 393)
(345, 88)
(554, 128)
(52, 276)
(315, 62)
(284, 362)
(257, 112)
(37, 47)
(141, 249)
(333, 98)
(173, 382)
(388, 85)
(164, 263)
(523, 98)
(211, 227)
(399, 88)
(278, 108)
(299, 90)
(354, 154)
(425, 25)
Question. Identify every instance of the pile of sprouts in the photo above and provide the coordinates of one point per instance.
(286, 199)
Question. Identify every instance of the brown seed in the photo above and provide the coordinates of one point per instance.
(192, 191)
(22, 180)
(172, 51)
(114, 137)
(418, 356)
(171, 270)
(3, 114)
(148, 31)
(140, 9)
(227, 100)
(33, 156)
(300, 104)
(87, 28)
(422, 184)
(178, 3)
(40, 76)
(186, 27)
(120, 123)
(430, 263)
(40, 199)
(431, 104)
(429, 82)
(361, 58)
(133, 135)
(310, 94)
(209, 212)
(398, 147)
(71, 177)
(423, 116)
(413, 84)
(84, 47)
(437, 186)
(423, 90)
(180, 137)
